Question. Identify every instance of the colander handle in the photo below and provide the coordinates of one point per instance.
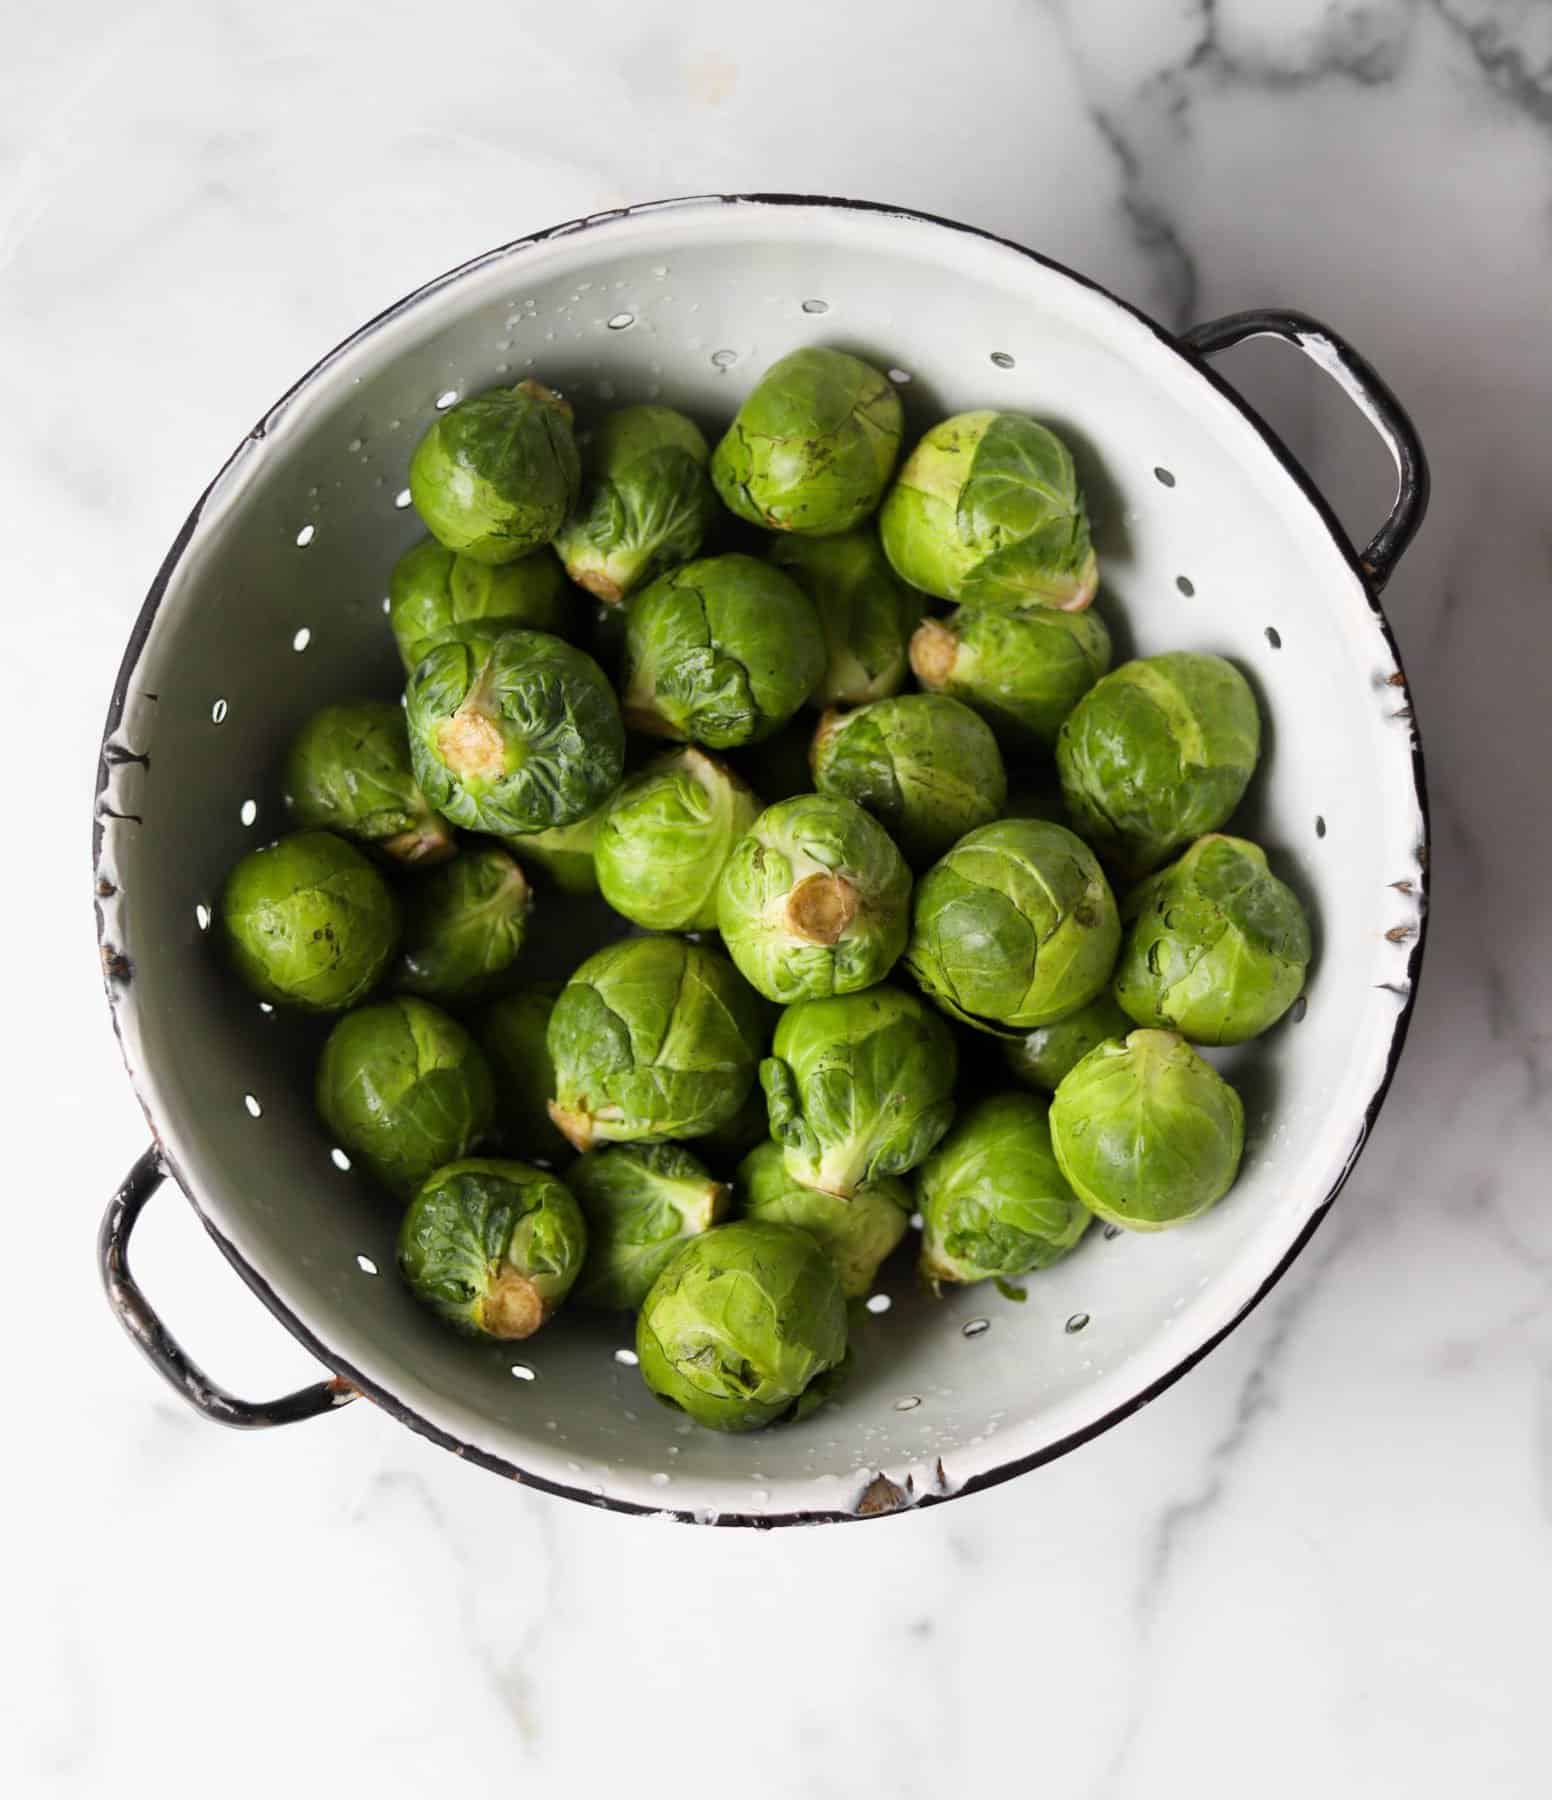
(138, 1318)
(1368, 391)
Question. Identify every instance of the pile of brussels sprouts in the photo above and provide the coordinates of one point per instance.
(725, 1120)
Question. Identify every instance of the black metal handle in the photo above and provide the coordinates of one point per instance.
(135, 1314)
(1368, 391)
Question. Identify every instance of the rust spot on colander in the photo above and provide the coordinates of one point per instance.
(115, 964)
(882, 1495)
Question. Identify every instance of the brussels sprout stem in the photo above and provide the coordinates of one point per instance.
(934, 650)
(429, 841)
(575, 1127)
(821, 907)
(470, 742)
(512, 1308)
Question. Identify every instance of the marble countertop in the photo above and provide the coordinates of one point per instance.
(1323, 1563)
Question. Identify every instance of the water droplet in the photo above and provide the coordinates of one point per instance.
(974, 1328)
(1076, 1322)
(339, 1158)
(1186, 585)
(305, 536)
(673, 1449)
(255, 1111)
(354, 445)
(917, 1221)
(622, 321)
(1002, 359)
(660, 1478)
(724, 359)
(816, 306)
(879, 1303)
(900, 377)
(1274, 637)
(522, 1371)
(366, 1265)
(202, 916)
(302, 639)
(627, 1359)
(1320, 826)
(449, 397)
(660, 273)
(249, 812)
(552, 1424)
(402, 499)
(1163, 477)
(218, 712)
(908, 1403)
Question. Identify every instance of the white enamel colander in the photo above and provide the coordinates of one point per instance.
(270, 603)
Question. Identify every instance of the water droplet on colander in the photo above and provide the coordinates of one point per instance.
(974, 1328)
(354, 445)
(724, 359)
(816, 306)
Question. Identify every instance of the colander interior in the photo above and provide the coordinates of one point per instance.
(274, 604)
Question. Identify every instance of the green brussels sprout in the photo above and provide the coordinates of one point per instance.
(1015, 927)
(641, 1203)
(744, 1322)
(814, 900)
(994, 1202)
(866, 614)
(434, 594)
(652, 1037)
(1156, 753)
(495, 476)
(513, 731)
(513, 1034)
(564, 852)
(722, 652)
(1148, 1133)
(308, 922)
(1040, 1058)
(1022, 668)
(987, 509)
(665, 837)
(646, 501)
(404, 1088)
(812, 448)
(463, 925)
(925, 766)
(1217, 946)
(856, 1234)
(859, 1086)
(348, 770)
(492, 1247)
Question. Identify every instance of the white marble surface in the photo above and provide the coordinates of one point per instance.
(1323, 1563)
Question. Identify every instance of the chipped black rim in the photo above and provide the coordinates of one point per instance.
(881, 1496)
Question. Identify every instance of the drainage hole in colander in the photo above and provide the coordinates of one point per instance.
(974, 1328)
(816, 306)
(622, 321)
(1112, 1232)
(402, 499)
(449, 397)
(908, 1403)
(249, 811)
(1297, 1011)
(366, 1265)
(387, 602)
(1320, 826)
(627, 1359)
(522, 1371)
(202, 916)
(218, 712)
(1076, 1323)
(1186, 585)
(267, 1010)
(900, 377)
(1163, 477)
(1274, 637)
(723, 359)
(305, 536)
(879, 1303)
(339, 1158)
(302, 639)
(255, 1111)
(1001, 359)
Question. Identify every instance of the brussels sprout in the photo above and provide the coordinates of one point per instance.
(986, 509)
(925, 766)
(1217, 946)
(512, 1033)
(652, 1037)
(434, 594)
(1022, 668)
(1147, 1132)
(856, 1234)
(564, 852)
(405, 1088)
(641, 1202)
(1156, 753)
(646, 501)
(308, 922)
(812, 448)
(514, 731)
(993, 1200)
(495, 476)
(348, 770)
(859, 1086)
(1015, 927)
(492, 1247)
(1043, 1056)
(814, 900)
(463, 925)
(664, 839)
(722, 651)
(745, 1321)
(866, 614)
